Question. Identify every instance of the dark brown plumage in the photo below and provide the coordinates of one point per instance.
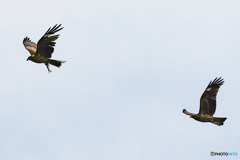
(208, 104)
(42, 51)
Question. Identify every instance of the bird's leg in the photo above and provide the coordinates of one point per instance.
(47, 65)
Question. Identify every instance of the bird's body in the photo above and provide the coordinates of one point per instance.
(38, 59)
(42, 51)
(208, 104)
(203, 117)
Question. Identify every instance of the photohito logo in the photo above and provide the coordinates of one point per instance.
(223, 153)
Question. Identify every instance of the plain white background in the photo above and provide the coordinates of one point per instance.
(132, 66)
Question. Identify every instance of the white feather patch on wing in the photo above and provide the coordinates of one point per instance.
(32, 50)
(30, 46)
(209, 89)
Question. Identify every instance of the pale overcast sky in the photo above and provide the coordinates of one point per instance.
(132, 66)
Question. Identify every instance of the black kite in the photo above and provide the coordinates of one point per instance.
(208, 104)
(42, 51)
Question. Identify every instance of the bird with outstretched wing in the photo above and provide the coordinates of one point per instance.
(42, 51)
(208, 104)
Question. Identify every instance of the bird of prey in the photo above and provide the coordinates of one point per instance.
(42, 51)
(208, 104)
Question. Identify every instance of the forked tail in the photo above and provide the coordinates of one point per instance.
(218, 121)
(56, 63)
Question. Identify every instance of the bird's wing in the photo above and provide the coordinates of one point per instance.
(30, 46)
(46, 43)
(208, 98)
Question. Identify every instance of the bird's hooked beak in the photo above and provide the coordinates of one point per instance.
(27, 59)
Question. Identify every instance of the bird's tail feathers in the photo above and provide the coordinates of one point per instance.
(56, 63)
(218, 121)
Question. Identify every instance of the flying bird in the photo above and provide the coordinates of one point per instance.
(208, 104)
(42, 51)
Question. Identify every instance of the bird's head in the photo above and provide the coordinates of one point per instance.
(29, 58)
(186, 112)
